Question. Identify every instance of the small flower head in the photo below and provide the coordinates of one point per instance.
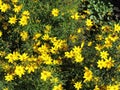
(109, 63)
(12, 20)
(104, 54)
(75, 16)
(101, 64)
(78, 85)
(23, 21)
(55, 12)
(58, 87)
(45, 75)
(24, 35)
(117, 28)
(9, 77)
(4, 7)
(19, 70)
(89, 23)
(17, 8)
(87, 75)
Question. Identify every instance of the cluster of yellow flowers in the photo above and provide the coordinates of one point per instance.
(76, 54)
(19, 69)
(4, 7)
(108, 63)
(44, 52)
(23, 20)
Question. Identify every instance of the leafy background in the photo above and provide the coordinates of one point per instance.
(45, 49)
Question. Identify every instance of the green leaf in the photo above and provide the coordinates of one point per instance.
(1, 84)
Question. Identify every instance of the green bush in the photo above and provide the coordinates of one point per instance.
(59, 45)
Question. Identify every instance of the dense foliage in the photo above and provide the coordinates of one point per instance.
(59, 45)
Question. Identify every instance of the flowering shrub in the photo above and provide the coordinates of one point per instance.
(58, 45)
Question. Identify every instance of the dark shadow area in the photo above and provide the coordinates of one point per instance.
(116, 9)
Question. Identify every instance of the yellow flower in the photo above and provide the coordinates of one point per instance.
(45, 75)
(109, 63)
(23, 21)
(113, 87)
(69, 54)
(99, 47)
(75, 16)
(24, 35)
(32, 58)
(79, 30)
(55, 12)
(58, 44)
(108, 43)
(57, 62)
(87, 75)
(117, 28)
(89, 23)
(14, 1)
(43, 49)
(96, 88)
(9, 77)
(116, 87)
(23, 57)
(101, 64)
(87, 12)
(17, 8)
(0, 33)
(12, 20)
(47, 59)
(45, 37)
(37, 43)
(113, 37)
(90, 43)
(4, 7)
(31, 68)
(36, 36)
(19, 70)
(26, 14)
(16, 55)
(54, 50)
(58, 87)
(53, 39)
(12, 57)
(78, 85)
(76, 50)
(104, 54)
(47, 28)
(78, 58)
